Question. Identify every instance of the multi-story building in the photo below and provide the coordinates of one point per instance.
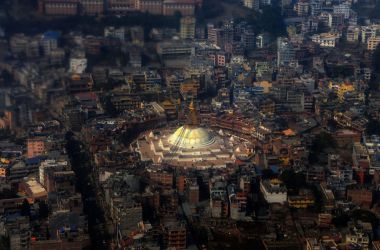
(175, 54)
(274, 191)
(360, 157)
(121, 6)
(368, 32)
(193, 193)
(115, 33)
(343, 8)
(50, 165)
(187, 27)
(252, 4)
(92, 7)
(59, 7)
(49, 42)
(313, 244)
(237, 203)
(174, 235)
(302, 8)
(150, 6)
(35, 146)
(218, 198)
(352, 34)
(326, 40)
(248, 39)
(161, 177)
(262, 40)
(303, 200)
(185, 7)
(79, 83)
(285, 52)
(360, 196)
(357, 236)
(373, 42)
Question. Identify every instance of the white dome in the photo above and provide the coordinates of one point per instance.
(191, 137)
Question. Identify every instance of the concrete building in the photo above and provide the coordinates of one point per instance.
(361, 197)
(187, 27)
(185, 7)
(35, 146)
(248, 39)
(342, 8)
(115, 33)
(273, 191)
(373, 42)
(49, 42)
(59, 7)
(357, 236)
(50, 165)
(193, 193)
(302, 8)
(252, 4)
(353, 34)
(92, 7)
(327, 40)
(174, 235)
(120, 6)
(285, 52)
(150, 6)
(77, 62)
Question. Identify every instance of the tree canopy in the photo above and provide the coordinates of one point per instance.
(268, 20)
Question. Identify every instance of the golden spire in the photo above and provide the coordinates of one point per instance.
(193, 117)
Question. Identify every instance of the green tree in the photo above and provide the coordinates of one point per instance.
(7, 194)
(376, 59)
(4, 243)
(373, 127)
(320, 143)
(43, 209)
(25, 208)
(293, 180)
(341, 220)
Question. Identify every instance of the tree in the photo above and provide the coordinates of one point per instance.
(4, 243)
(376, 59)
(43, 209)
(25, 208)
(269, 20)
(7, 194)
(267, 173)
(320, 143)
(373, 127)
(366, 216)
(109, 107)
(340, 220)
(293, 180)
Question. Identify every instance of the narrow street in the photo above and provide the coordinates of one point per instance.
(81, 165)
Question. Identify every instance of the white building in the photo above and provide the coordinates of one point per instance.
(252, 4)
(368, 32)
(274, 191)
(78, 65)
(265, 2)
(327, 40)
(115, 33)
(343, 8)
(191, 146)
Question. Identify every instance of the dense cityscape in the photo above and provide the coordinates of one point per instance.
(189, 124)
